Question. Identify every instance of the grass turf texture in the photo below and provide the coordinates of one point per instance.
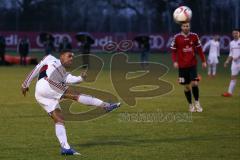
(26, 132)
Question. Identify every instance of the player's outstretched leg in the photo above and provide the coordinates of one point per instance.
(188, 95)
(61, 133)
(89, 100)
(92, 101)
(195, 92)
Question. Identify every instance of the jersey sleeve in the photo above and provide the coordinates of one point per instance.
(206, 45)
(199, 50)
(174, 49)
(70, 79)
(33, 74)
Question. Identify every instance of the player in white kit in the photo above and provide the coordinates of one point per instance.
(234, 56)
(214, 53)
(52, 86)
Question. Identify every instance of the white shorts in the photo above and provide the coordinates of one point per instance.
(48, 94)
(235, 69)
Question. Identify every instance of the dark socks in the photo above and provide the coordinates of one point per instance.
(188, 95)
(195, 92)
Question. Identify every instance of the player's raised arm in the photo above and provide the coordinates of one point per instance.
(30, 77)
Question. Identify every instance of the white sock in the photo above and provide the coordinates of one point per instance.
(61, 135)
(214, 69)
(232, 86)
(92, 101)
(209, 69)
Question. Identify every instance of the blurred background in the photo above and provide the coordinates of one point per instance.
(107, 21)
(150, 16)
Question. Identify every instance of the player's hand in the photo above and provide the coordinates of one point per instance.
(204, 65)
(225, 64)
(24, 91)
(84, 75)
(175, 65)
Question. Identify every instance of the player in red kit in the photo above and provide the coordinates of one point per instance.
(184, 47)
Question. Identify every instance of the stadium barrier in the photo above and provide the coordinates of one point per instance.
(158, 41)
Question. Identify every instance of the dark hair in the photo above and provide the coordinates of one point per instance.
(236, 29)
(65, 51)
(184, 22)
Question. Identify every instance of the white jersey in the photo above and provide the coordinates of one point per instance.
(51, 84)
(214, 51)
(54, 71)
(235, 51)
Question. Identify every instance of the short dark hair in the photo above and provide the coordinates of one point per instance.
(184, 22)
(65, 51)
(236, 29)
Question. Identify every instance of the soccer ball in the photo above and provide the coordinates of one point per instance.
(182, 14)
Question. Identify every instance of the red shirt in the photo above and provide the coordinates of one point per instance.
(184, 48)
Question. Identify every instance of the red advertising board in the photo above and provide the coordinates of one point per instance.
(159, 41)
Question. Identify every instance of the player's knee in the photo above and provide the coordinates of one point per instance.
(233, 77)
(187, 88)
(76, 97)
(194, 83)
(57, 117)
(58, 120)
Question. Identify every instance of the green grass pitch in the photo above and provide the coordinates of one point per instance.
(27, 133)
